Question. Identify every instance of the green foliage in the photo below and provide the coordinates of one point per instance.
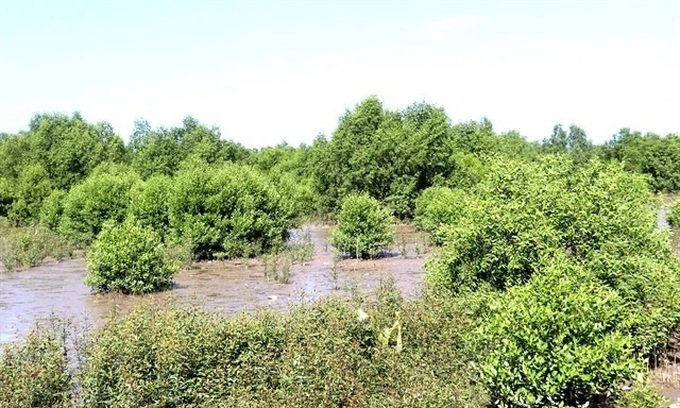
(389, 155)
(52, 209)
(652, 155)
(526, 212)
(6, 196)
(230, 210)
(673, 215)
(33, 186)
(35, 372)
(25, 247)
(149, 203)
(323, 354)
(103, 196)
(575, 143)
(182, 357)
(441, 206)
(14, 155)
(643, 394)
(591, 282)
(70, 148)
(364, 228)
(162, 151)
(559, 340)
(128, 258)
(290, 170)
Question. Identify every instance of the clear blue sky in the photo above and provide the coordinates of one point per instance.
(268, 71)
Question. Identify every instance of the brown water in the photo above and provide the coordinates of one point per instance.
(227, 287)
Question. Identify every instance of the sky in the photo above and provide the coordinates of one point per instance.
(271, 71)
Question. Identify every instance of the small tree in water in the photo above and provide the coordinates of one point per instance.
(363, 227)
(129, 258)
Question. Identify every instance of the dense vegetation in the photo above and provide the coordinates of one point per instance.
(674, 214)
(364, 227)
(551, 284)
(129, 258)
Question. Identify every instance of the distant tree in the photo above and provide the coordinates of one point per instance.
(575, 143)
(103, 196)
(650, 154)
(33, 186)
(227, 211)
(14, 155)
(6, 196)
(70, 148)
(162, 151)
(390, 155)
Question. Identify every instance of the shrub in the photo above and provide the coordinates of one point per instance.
(527, 212)
(230, 211)
(643, 394)
(363, 227)
(440, 206)
(557, 341)
(128, 258)
(149, 203)
(102, 196)
(52, 209)
(25, 247)
(35, 372)
(674, 214)
(33, 186)
(6, 196)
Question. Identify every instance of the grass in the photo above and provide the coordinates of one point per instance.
(25, 247)
(278, 266)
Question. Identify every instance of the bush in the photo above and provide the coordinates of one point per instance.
(6, 196)
(35, 372)
(149, 203)
(559, 340)
(525, 213)
(230, 211)
(363, 227)
(674, 214)
(52, 209)
(33, 186)
(25, 247)
(440, 206)
(128, 258)
(101, 197)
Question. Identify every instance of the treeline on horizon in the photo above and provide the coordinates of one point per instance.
(391, 155)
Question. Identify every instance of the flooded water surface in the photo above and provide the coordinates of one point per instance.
(228, 287)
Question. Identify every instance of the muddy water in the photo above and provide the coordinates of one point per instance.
(227, 287)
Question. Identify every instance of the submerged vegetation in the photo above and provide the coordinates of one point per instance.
(550, 284)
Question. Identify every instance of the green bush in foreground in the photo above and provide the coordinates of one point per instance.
(34, 373)
(363, 229)
(129, 258)
(559, 340)
(319, 355)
